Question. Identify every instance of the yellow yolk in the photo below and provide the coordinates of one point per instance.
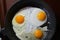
(41, 16)
(38, 33)
(19, 19)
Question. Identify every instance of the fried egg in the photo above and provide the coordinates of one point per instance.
(19, 20)
(36, 34)
(26, 22)
(38, 17)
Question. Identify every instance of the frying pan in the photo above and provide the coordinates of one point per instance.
(29, 3)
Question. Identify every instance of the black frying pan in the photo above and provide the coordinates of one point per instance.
(33, 3)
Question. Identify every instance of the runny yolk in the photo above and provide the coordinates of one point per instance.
(38, 33)
(41, 16)
(19, 19)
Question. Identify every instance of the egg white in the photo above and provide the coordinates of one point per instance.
(30, 23)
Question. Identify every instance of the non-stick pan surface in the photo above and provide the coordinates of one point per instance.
(31, 3)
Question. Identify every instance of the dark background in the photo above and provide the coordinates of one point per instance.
(54, 4)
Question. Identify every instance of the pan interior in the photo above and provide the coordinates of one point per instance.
(26, 29)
